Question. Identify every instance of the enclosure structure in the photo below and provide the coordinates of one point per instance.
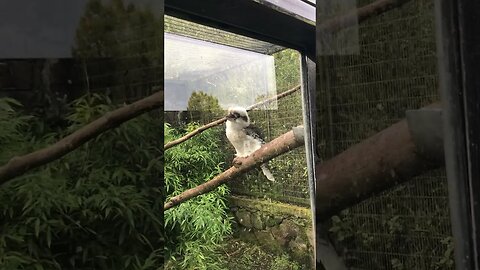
(237, 60)
(368, 87)
(458, 65)
(361, 93)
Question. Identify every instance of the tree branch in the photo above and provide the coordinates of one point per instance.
(221, 120)
(374, 165)
(276, 147)
(195, 132)
(20, 165)
(277, 97)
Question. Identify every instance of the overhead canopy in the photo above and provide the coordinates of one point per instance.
(210, 48)
(197, 31)
(288, 23)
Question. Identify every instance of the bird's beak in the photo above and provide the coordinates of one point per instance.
(230, 116)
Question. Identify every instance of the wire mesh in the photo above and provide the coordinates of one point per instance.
(123, 58)
(289, 170)
(193, 30)
(407, 227)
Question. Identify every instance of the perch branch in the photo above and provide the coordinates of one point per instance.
(221, 120)
(195, 132)
(277, 97)
(276, 147)
(359, 15)
(374, 165)
(20, 165)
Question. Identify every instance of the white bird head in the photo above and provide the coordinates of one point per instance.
(239, 116)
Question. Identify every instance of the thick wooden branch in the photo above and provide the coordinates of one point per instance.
(222, 120)
(359, 15)
(374, 165)
(276, 147)
(20, 165)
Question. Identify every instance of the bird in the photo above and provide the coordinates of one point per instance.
(244, 137)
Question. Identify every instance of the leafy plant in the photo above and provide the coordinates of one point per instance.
(284, 263)
(242, 255)
(197, 227)
(99, 207)
(12, 133)
(119, 47)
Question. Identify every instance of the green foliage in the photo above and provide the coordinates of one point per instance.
(287, 69)
(112, 30)
(200, 101)
(289, 169)
(121, 48)
(12, 133)
(99, 207)
(240, 255)
(205, 106)
(284, 263)
(197, 227)
(395, 233)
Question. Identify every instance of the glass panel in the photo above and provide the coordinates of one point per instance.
(233, 76)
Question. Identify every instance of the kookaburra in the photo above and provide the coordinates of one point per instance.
(244, 137)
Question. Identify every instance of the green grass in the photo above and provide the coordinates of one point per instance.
(240, 255)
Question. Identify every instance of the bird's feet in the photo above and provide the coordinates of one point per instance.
(237, 161)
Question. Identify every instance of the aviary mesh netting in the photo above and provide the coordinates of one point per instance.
(193, 30)
(407, 227)
(289, 170)
(123, 56)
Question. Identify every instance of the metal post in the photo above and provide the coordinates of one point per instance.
(458, 47)
(308, 104)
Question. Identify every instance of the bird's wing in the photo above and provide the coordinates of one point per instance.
(255, 132)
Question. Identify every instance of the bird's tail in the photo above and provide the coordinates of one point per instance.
(267, 172)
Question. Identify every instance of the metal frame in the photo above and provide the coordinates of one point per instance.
(308, 106)
(458, 47)
(249, 18)
(263, 22)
